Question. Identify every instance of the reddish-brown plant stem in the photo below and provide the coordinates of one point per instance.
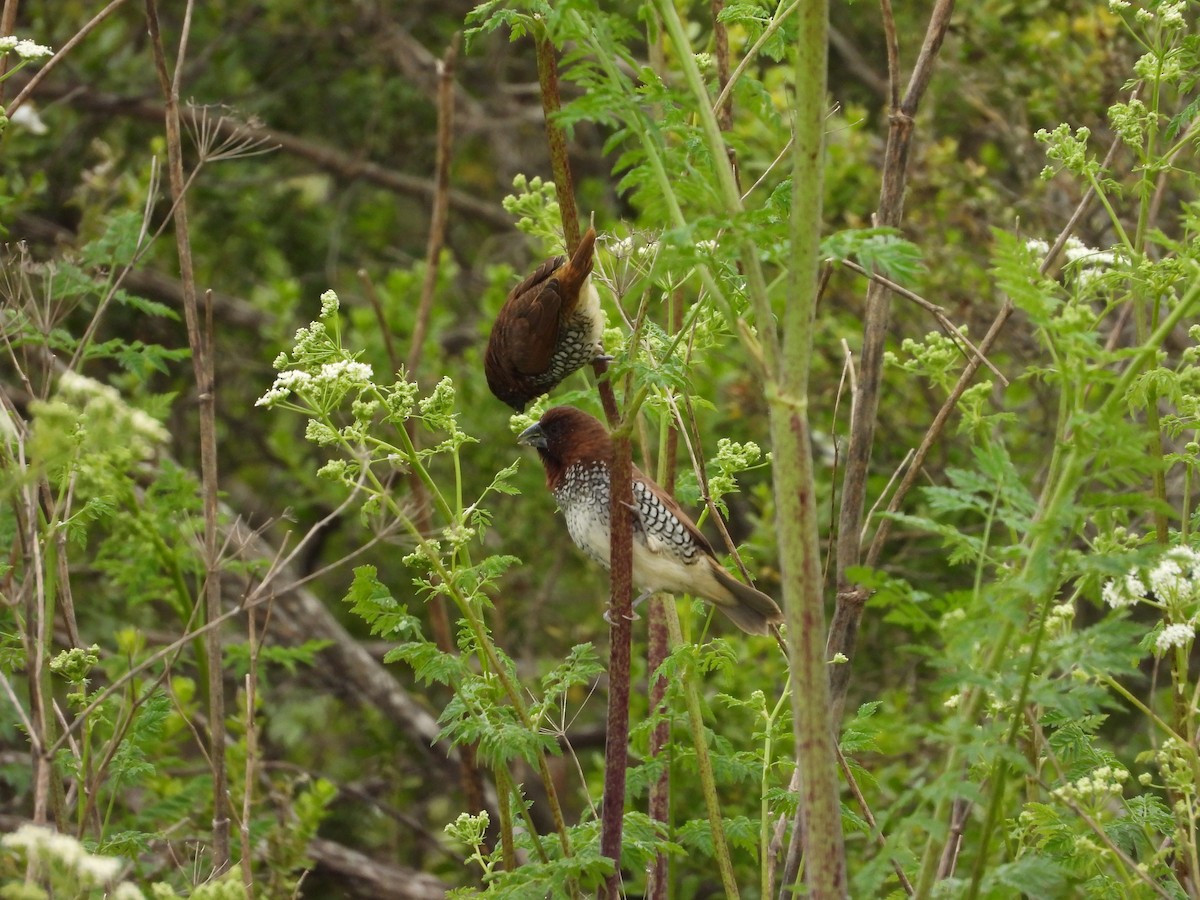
(564, 186)
(616, 749)
(8, 23)
(725, 110)
(818, 827)
(556, 139)
(659, 807)
(252, 760)
(620, 633)
(851, 597)
(202, 365)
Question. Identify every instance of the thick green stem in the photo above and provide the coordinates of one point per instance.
(796, 514)
(708, 781)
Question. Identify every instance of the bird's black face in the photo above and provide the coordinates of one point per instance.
(533, 436)
(565, 435)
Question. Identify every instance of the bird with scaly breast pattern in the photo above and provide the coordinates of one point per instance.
(549, 326)
(669, 552)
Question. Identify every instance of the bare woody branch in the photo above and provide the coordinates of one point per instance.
(327, 158)
(851, 598)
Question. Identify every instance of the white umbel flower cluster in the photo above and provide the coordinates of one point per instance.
(1124, 591)
(1174, 636)
(22, 47)
(1173, 582)
(1172, 585)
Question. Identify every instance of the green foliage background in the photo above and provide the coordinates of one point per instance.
(341, 85)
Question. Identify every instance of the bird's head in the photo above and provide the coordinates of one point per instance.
(564, 436)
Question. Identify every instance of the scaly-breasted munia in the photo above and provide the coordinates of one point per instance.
(550, 326)
(669, 552)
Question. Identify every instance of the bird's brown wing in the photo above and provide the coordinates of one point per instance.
(531, 316)
(677, 511)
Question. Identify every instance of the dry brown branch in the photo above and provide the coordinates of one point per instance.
(471, 779)
(361, 876)
(200, 340)
(865, 808)
(933, 433)
(857, 63)
(843, 628)
(441, 200)
(341, 164)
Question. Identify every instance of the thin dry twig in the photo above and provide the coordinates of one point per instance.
(441, 199)
(963, 342)
(959, 816)
(470, 777)
(861, 800)
(389, 343)
(251, 754)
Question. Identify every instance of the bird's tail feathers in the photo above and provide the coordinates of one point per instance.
(579, 267)
(752, 610)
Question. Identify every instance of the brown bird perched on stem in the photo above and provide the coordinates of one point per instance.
(550, 326)
(669, 552)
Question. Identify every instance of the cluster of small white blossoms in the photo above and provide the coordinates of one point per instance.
(1175, 583)
(1125, 590)
(1176, 635)
(345, 373)
(24, 48)
(1103, 782)
(45, 846)
(104, 401)
(1089, 261)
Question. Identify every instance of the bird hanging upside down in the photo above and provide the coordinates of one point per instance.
(550, 326)
(669, 552)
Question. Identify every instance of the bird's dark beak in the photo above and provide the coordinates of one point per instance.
(533, 436)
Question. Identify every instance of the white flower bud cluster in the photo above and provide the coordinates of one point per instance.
(1103, 782)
